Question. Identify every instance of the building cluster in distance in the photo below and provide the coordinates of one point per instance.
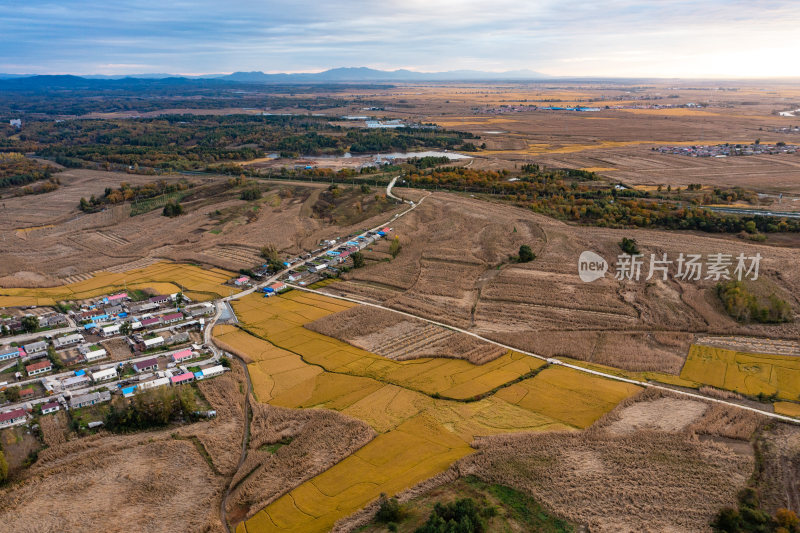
(725, 150)
(519, 108)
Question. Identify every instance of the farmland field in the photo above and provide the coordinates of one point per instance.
(418, 426)
(163, 278)
(747, 373)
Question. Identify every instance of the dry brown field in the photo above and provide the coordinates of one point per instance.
(55, 242)
(632, 471)
(448, 270)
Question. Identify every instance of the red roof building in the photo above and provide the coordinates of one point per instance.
(39, 368)
(186, 377)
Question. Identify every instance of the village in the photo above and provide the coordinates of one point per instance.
(81, 354)
(118, 344)
(725, 150)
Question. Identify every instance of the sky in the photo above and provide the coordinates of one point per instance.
(610, 38)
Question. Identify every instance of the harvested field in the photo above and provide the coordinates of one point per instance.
(316, 439)
(778, 480)
(664, 414)
(401, 338)
(157, 484)
(747, 373)
(222, 435)
(447, 270)
(55, 428)
(643, 481)
(59, 242)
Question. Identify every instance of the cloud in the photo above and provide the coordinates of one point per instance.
(568, 37)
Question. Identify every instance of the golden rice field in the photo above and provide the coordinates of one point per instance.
(787, 408)
(661, 377)
(393, 461)
(567, 395)
(163, 277)
(281, 319)
(743, 372)
(420, 434)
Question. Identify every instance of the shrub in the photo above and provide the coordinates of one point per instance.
(629, 246)
(172, 210)
(526, 254)
(743, 305)
(395, 247)
(390, 510)
(250, 194)
(358, 259)
(461, 516)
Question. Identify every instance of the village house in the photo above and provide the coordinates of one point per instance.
(113, 310)
(94, 355)
(39, 368)
(121, 297)
(52, 319)
(13, 418)
(153, 383)
(75, 382)
(35, 349)
(50, 407)
(108, 331)
(177, 357)
(160, 299)
(85, 400)
(146, 365)
(104, 375)
(212, 371)
(8, 353)
(143, 307)
(172, 318)
(186, 377)
(154, 342)
(178, 338)
(147, 322)
(68, 340)
(26, 394)
(243, 280)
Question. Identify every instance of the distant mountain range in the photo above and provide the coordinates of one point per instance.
(367, 74)
(336, 75)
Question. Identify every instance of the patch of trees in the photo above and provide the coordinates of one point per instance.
(195, 142)
(750, 518)
(152, 408)
(30, 323)
(132, 193)
(567, 195)
(358, 259)
(526, 255)
(403, 139)
(16, 170)
(460, 516)
(629, 246)
(744, 306)
(172, 210)
(251, 193)
(395, 247)
(270, 254)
